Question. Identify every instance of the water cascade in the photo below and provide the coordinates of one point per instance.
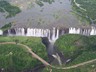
(20, 32)
(55, 35)
(93, 31)
(74, 30)
(51, 34)
(1, 32)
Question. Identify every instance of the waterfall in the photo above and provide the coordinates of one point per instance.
(37, 32)
(44, 33)
(51, 34)
(9, 33)
(81, 31)
(55, 35)
(1, 32)
(20, 32)
(86, 32)
(93, 31)
(74, 30)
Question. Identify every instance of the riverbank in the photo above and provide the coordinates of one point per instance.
(34, 43)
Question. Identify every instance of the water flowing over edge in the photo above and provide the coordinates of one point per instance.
(51, 34)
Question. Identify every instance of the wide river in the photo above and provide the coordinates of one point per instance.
(57, 14)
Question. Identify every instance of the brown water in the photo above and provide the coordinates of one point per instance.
(57, 14)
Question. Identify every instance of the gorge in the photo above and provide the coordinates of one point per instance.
(51, 34)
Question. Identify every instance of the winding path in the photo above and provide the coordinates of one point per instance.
(30, 51)
(75, 66)
(46, 63)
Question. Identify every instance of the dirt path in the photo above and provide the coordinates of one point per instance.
(77, 65)
(30, 51)
(46, 63)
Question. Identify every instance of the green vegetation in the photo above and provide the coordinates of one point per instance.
(71, 45)
(85, 56)
(87, 11)
(14, 58)
(77, 47)
(6, 26)
(80, 49)
(85, 68)
(10, 10)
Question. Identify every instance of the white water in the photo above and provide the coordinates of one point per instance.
(55, 35)
(74, 30)
(90, 31)
(20, 31)
(1, 32)
(93, 31)
(52, 35)
(37, 32)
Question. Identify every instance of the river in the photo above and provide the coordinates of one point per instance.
(56, 14)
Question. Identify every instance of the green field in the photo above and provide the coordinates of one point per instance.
(14, 58)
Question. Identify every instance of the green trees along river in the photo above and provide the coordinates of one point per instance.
(8, 9)
(85, 10)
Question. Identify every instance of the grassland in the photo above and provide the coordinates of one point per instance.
(14, 58)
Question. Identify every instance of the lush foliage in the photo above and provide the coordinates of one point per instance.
(33, 42)
(85, 56)
(85, 68)
(79, 48)
(21, 59)
(6, 26)
(83, 44)
(87, 10)
(8, 9)
(71, 45)
(14, 58)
